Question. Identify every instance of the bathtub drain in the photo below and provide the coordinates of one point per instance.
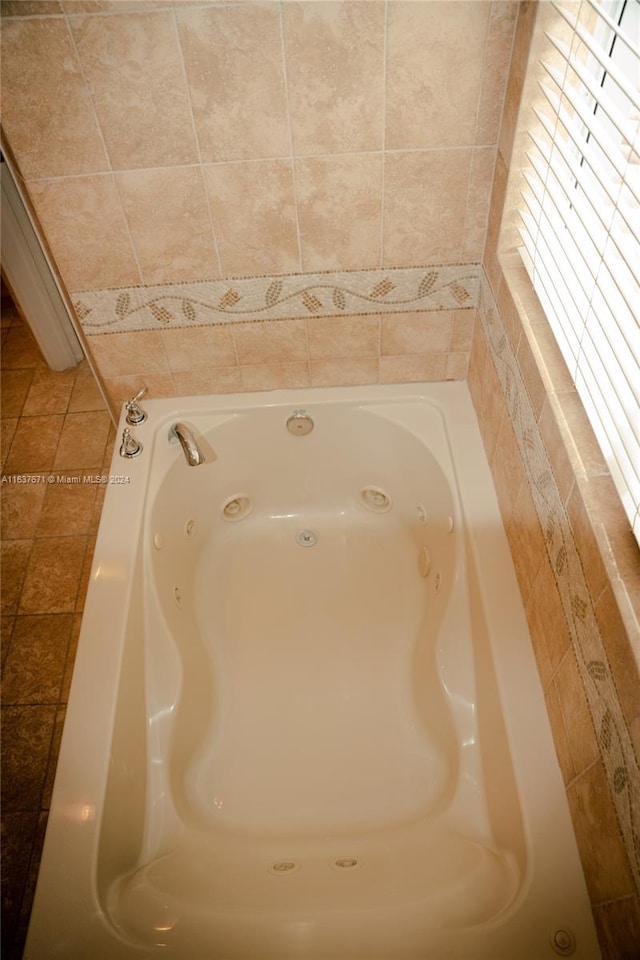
(306, 538)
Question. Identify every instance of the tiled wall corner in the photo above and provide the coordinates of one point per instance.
(586, 646)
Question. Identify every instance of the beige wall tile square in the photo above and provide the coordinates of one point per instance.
(575, 711)
(339, 211)
(556, 720)
(187, 349)
(336, 337)
(168, 217)
(277, 341)
(412, 369)
(408, 333)
(274, 376)
(510, 313)
(606, 868)
(335, 73)
(485, 390)
(104, 6)
(125, 354)
(31, 8)
(254, 217)
(478, 202)
(328, 373)
(78, 215)
(498, 190)
(549, 631)
(429, 104)
(133, 65)
(233, 58)
(464, 322)
(209, 380)
(424, 206)
(503, 17)
(507, 469)
(457, 366)
(46, 109)
(526, 540)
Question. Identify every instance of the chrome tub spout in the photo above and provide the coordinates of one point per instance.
(188, 442)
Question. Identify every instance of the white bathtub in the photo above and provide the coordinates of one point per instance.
(305, 719)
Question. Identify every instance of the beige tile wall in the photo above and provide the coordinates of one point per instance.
(168, 142)
(577, 562)
(314, 351)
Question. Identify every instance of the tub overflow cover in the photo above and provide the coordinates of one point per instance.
(299, 423)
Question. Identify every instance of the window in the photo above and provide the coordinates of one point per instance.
(580, 216)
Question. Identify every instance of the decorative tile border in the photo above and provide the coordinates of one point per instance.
(614, 740)
(441, 287)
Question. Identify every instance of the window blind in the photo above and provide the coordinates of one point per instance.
(579, 217)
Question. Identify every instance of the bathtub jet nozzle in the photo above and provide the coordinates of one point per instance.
(188, 442)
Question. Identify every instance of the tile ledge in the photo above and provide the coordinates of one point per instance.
(549, 358)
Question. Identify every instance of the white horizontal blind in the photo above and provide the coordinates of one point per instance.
(580, 217)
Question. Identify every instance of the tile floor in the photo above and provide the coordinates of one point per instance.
(55, 427)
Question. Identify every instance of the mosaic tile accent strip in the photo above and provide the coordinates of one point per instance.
(441, 287)
(616, 747)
